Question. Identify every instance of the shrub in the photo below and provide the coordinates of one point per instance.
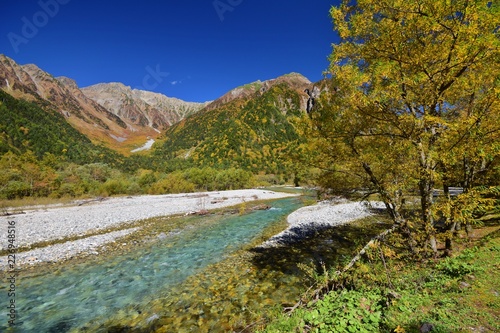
(15, 189)
(113, 186)
(172, 183)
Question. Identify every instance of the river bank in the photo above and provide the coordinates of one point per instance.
(189, 273)
(149, 266)
(325, 214)
(88, 225)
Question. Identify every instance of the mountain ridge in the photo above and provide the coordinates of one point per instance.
(296, 80)
(254, 129)
(141, 106)
(250, 126)
(100, 124)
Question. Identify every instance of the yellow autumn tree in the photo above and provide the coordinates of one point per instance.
(413, 101)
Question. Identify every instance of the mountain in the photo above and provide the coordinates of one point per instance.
(250, 127)
(122, 122)
(33, 84)
(293, 80)
(139, 107)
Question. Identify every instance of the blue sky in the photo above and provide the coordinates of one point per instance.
(195, 50)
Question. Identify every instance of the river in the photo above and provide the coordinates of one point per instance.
(204, 277)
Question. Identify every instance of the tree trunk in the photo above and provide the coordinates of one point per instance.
(390, 203)
(469, 229)
(426, 187)
(449, 246)
(426, 192)
(451, 231)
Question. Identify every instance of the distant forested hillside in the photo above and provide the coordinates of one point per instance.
(245, 142)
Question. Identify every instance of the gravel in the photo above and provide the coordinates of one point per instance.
(56, 223)
(323, 214)
(65, 251)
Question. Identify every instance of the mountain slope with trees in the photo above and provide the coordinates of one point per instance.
(27, 127)
(114, 115)
(255, 131)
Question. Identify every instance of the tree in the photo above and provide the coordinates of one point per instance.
(413, 99)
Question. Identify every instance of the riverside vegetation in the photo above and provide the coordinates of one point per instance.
(388, 291)
(412, 106)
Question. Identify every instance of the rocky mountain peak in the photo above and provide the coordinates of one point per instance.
(67, 82)
(294, 80)
(143, 108)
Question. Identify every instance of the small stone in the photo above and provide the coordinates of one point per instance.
(463, 285)
(152, 318)
(426, 328)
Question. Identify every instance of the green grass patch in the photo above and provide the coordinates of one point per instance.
(454, 294)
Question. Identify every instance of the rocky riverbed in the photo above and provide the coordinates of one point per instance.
(90, 224)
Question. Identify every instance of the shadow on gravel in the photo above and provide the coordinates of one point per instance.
(316, 245)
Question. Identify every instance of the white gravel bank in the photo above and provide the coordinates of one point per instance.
(67, 250)
(320, 215)
(40, 224)
(60, 222)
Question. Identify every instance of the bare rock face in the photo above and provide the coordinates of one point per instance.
(15, 80)
(31, 83)
(142, 108)
(313, 94)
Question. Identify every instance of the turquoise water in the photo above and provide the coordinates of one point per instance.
(76, 295)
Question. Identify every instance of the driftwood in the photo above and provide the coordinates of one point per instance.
(98, 199)
(325, 288)
(6, 213)
(363, 250)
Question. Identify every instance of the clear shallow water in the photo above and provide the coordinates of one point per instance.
(74, 296)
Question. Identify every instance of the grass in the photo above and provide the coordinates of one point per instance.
(15, 205)
(458, 294)
(390, 292)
